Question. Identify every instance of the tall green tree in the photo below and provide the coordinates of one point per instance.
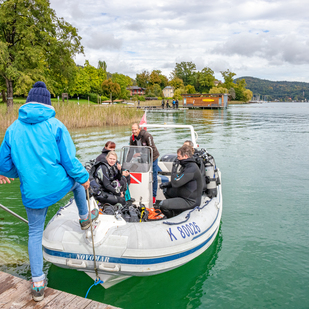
(154, 78)
(81, 83)
(228, 78)
(218, 90)
(109, 87)
(102, 65)
(185, 71)
(205, 80)
(124, 81)
(35, 45)
(176, 83)
(95, 76)
(142, 79)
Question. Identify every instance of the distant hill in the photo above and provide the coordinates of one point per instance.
(281, 90)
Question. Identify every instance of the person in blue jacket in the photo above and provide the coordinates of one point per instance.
(39, 150)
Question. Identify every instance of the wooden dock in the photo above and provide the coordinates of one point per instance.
(15, 293)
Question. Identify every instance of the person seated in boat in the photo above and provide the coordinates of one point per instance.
(111, 146)
(109, 177)
(184, 191)
(199, 162)
(106, 149)
(190, 144)
(140, 137)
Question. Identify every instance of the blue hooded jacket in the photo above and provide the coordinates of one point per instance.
(39, 150)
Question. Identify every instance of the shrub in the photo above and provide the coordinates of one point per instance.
(93, 97)
(104, 98)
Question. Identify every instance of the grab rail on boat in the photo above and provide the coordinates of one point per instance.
(194, 135)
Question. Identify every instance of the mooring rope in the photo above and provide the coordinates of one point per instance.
(97, 280)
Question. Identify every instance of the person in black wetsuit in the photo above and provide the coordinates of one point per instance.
(184, 191)
(107, 148)
(109, 177)
(111, 146)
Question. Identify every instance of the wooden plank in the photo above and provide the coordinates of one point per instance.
(97, 305)
(50, 294)
(15, 293)
(8, 282)
(22, 299)
(11, 294)
(61, 301)
(78, 302)
(3, 276)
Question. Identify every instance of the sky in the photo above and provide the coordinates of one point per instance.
(263, 39)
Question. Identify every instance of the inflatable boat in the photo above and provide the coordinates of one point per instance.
(124, 249)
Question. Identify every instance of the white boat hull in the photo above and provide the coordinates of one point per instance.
(125, 249)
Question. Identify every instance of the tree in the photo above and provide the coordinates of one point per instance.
(184, 71)
(232, 93)
(81, 83)
(154, 91)
(109, 87)
(2, 89)
(164, 81)
(124, 81)
(142, 79)
(247, 95)
(95, 76)
(241, 91)
(154, 78)
(176, 83)
(218, 90)
(178, 92)
(205, 80)
(190, 89)
(35, 45)
(228, 78)
(102, 65)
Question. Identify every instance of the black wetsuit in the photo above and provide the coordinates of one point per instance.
(105, 175)
(184, 191)
(102, 156)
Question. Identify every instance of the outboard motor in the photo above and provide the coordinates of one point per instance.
(211, 182)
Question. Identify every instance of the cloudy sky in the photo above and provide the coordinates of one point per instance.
(264, 39)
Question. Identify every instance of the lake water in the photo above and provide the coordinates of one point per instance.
(260, 256)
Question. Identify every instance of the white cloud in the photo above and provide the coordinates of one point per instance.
(259, 38)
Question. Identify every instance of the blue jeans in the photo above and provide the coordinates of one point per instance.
(155, 177)
(36, 218)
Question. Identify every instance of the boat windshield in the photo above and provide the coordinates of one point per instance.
(136, 158)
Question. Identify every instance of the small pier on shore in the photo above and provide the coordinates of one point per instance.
(15, 293)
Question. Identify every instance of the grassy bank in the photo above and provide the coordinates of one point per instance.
(81, 116)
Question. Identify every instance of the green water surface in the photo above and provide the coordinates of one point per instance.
(260, 256)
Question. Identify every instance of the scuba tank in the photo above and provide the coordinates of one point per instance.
(213, 162)
(211, 182)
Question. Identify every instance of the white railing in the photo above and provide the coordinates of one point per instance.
(194, 135)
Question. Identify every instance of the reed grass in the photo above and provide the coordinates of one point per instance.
(81, 116)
